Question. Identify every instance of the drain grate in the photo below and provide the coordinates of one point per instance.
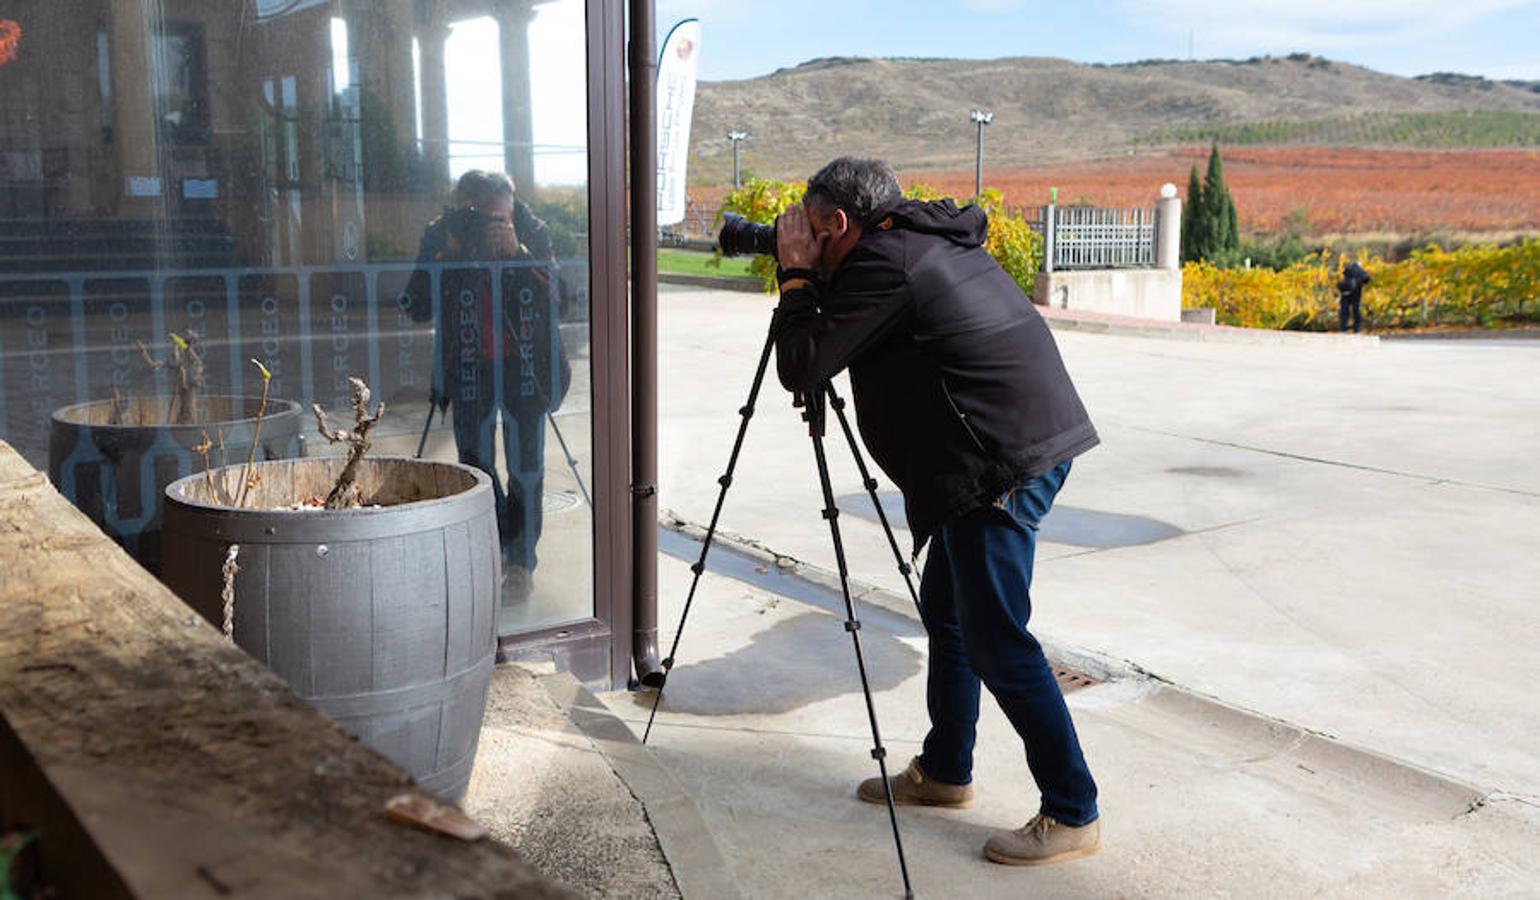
(1072, 681)
(553, 502)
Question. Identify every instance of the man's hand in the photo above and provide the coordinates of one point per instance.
(797, 247)
(502, 240)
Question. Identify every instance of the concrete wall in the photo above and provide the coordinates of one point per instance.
(1143, 293)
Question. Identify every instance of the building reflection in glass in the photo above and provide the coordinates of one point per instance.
(260, 175)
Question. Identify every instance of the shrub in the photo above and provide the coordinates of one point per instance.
(1279, 253)
(760, 200)
(1011, 241)
(1483, 285)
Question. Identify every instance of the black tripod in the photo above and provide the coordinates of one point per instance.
(814, 407)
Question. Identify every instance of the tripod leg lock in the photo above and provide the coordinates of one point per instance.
(870, 484)
(668, 663)
(698, 567)
(831, 514)
(852, 625)
(725, 481)
(905, 569)
(879, 753)
(746, 411)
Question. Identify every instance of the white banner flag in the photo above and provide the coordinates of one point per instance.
(676, 104)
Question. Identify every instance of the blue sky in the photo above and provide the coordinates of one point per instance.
(746, 38)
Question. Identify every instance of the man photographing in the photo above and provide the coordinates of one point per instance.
(963, 400)
(499, 367)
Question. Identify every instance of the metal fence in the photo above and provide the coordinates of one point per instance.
(70, 338)
(699, 222)
(1075, 237)
(1078, 237)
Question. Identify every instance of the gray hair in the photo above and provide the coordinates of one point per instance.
(481, 186)
(861, 187)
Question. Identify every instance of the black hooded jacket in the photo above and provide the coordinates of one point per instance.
(960, 392)
(536, 371)
(1354, 279)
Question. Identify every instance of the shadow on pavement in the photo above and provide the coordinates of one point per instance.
(796, 662)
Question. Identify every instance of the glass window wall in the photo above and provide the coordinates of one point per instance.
(393, 190)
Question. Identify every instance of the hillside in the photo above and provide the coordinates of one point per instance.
(915, 112)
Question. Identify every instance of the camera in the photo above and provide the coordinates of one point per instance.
(468, 225)
(740, 237)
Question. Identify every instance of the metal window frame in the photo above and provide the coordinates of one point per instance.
(597, 649)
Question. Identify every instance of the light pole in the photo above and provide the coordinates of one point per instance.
(737, 137)
(980, 119)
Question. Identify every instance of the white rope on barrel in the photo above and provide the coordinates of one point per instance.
(227, 593)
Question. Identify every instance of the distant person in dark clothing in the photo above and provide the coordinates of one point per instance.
(1350, 294)
(496, 364)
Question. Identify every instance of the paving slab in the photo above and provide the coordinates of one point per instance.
(1357, 524)
(542, 786)
(764, 726)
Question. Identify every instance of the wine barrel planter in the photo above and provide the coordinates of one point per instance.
(383, 617)
(116, 474)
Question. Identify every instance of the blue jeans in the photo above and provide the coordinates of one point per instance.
(975, 600)
(519, 512)
(1346, 307)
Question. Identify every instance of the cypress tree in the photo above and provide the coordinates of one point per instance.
(1192, 216)
(1216, 202)
(1232, 223)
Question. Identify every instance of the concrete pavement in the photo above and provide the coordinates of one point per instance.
(763, 727)
(1358, 543)
(1338, 535)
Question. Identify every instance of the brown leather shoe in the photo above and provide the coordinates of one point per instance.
(913, 787)
(1044, 840)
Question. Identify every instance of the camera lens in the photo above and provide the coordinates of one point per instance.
(740, 237)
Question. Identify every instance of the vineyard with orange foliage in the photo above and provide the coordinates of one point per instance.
(1339, 190)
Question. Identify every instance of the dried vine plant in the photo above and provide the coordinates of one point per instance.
(249, 475)
(345, 493)
(218, 491)
(186, 364)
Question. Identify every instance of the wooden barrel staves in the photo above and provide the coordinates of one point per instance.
(383, 617)
(117, 473)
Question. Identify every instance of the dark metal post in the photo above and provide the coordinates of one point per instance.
(978, 164)
(658, 678)
(644, 336)
(1050, 229)
(737, 137)
(980, 118)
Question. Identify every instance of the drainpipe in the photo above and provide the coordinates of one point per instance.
(644, 342)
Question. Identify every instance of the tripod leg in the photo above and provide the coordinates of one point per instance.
(815, 418)
(657, 680)
(870, 483)
(572, 462)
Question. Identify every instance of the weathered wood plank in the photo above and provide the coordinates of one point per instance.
(162, 761)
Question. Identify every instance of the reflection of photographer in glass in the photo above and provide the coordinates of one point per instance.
(508, 360)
